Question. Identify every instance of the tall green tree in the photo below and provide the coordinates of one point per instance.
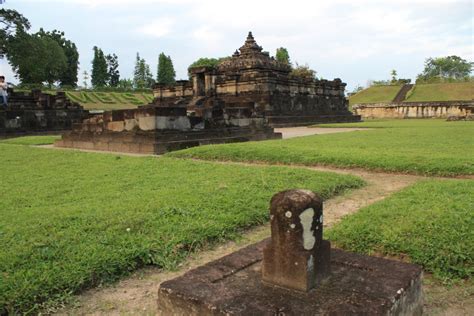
(112, 69)
(126, 84)
(99, 76)
(85, 78)
(450, 67)
(142, 76)
(70, 76)
(165, 72)
(46, 64)
(394, 75)
(11, 22)
(283, 56)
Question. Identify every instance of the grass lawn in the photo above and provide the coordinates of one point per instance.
(31, 140)
(375, 94)
(442, 92)
(109, 100)
(431, 222)
(430, 147)
(71, 220)
(397, 123)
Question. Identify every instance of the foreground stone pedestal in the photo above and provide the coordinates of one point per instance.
(233, 285)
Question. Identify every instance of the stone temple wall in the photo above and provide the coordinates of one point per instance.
(461, 109)
(253, 80)
(156, 130)
(37, 112)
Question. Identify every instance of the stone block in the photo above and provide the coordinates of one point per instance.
(116, 126)
(358, 285)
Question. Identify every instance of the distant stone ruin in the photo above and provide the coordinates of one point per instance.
(453, 110)
(256, 83)
(38, 112)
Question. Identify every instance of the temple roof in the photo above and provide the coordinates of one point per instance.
(251, 56)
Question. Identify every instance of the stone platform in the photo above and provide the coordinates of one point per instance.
(34, 112)
(232, 285)
(157, 130)
(160, 142)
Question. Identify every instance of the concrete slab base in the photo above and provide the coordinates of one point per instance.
(232, 285)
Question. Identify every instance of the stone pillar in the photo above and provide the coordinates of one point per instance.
(297, 257)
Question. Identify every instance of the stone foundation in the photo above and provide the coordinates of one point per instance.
(37, 112)
(295, 272)
(415, 109)
(153, 142)
(156, 130)
(357, 285)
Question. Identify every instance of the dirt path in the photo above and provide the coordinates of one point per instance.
(290, 132)
(137, 293)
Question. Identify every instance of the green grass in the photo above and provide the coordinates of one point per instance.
(393, 123)
(430, 147)
(109, 100)
(431, 222)
(442, 92)
(71, 220)
(375, 94)
(31, 140)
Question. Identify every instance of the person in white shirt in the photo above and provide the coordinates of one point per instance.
(3, 91)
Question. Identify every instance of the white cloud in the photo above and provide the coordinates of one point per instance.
(158, 28)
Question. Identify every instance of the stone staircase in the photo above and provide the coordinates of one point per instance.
(402, 94)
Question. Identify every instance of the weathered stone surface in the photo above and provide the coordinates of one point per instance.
(232, 285)
(297, 258)
(442, 109)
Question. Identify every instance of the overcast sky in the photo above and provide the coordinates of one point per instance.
(355, 40)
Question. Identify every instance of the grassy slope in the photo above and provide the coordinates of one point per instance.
(432, 147)
(431, 222)
(375, 94)
(70, 220)
(442, 92)
(109, 100)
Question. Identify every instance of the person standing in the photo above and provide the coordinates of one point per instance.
(3, 91)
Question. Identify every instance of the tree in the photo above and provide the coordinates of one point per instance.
(393, 73)
(69, 76)
(85, 76)
(126, 84)
(142, 77)
(112, 70)
(282, 56)
(303, 72)
(11, 22)
(46, 64)
(99, 77)
(165, 73)
(442, 68)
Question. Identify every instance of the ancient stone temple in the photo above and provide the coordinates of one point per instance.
(253, 82)
(37, 112)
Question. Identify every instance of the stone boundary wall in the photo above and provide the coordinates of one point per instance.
(441, 109)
